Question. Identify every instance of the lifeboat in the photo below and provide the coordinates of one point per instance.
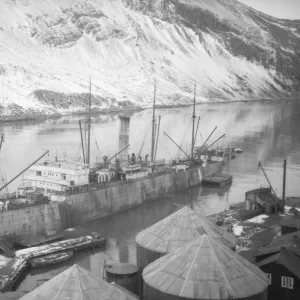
(51, 259)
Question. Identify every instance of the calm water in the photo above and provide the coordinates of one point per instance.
(267, 132)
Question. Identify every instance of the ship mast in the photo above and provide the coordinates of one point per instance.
(1, 140)
(89, 125)
(153, 124)
(194, 117)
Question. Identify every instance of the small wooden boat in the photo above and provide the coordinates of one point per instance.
(219, 179)
(238, 150)
(51, 259)
(131, 168)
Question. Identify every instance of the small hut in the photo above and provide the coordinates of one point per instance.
(78, 283)
(204, 269)
(169, 234)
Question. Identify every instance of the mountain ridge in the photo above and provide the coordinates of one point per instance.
(49, 50)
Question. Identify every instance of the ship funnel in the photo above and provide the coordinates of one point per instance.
(123, 139)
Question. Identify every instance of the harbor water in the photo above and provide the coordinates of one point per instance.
(266, 131)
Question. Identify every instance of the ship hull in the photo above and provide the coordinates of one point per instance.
(95, 204)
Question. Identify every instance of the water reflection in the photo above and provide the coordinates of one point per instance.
(267, 131)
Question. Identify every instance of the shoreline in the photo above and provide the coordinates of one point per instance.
(40, 116)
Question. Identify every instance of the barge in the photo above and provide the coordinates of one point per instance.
(51, 259)
(219, 180)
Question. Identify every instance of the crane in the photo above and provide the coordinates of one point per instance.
(276, 202)
(260, 166)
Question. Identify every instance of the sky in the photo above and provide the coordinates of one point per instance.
(284, 9)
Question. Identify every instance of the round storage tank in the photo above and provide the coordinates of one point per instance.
(123, 274)
(78, 283)
(174, 231)
(204, 270)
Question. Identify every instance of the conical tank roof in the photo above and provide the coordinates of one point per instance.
(77, 283)
(205, 269)
(181, 227)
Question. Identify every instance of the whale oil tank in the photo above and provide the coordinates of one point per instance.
(123, 274)
(169, 234)
(204, 270)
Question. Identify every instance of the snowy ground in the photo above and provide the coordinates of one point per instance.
(49, 49)
(3, 261)
(255, 232)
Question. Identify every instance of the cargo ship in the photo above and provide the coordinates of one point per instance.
(81, 192)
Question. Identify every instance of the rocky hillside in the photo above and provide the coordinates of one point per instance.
(50, 48)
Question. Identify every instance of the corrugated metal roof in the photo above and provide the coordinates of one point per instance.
(182, 227)
(77, 283)
(290, 240)
(292, 221)
(205, 269)
(285, 258)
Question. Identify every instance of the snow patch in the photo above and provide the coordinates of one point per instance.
(258, 219)
(4, 261)
(237, 230)
(287, 208)
(29, 251)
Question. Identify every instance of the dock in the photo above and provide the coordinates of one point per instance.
(219, 180)
(16, 266)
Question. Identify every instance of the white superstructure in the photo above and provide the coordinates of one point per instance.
(58, 175)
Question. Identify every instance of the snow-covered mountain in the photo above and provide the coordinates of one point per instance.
(50, 48)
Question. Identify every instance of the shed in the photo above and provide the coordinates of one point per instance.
(283, 271)
(78, 283)
(169, 234)
(290, 241)
(289, 225)
(204, 269)
(262, 198)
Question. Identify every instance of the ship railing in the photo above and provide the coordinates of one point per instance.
(75, 190)
(13, 206)
(70, 165)
(8, 196)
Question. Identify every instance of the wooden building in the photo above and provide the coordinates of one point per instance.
(283, 271)
(290, 241)
(204, 269)
(289, 225)
(174, 231)
(262, 198)
(77, 283)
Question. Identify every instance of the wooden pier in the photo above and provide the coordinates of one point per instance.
(20, 263)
